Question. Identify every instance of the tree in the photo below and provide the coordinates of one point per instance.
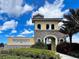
(1, 44)
(71, 26)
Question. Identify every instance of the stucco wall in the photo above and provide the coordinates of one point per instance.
(27, 41)
(43, 24)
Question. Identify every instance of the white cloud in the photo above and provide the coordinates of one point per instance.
(20, 35)
(14, 7)
(29, 22)
(0, 27)
(0, 31)
(13, 31)
(33, 35)
(27, 32)
(27, 8)
(52, 10)
(9, 25)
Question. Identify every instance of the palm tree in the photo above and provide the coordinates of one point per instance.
(75, 15)
(70, 26)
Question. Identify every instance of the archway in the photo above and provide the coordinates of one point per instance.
(50, 42)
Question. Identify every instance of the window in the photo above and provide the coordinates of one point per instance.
(52, 26)
(61, 41)
(39, 26)
(47, 26)
(39, 40)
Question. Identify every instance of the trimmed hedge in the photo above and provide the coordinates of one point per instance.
(32, 52)
(63, 48)
(69, 49)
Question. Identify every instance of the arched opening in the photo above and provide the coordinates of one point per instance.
(39, 26)
(61, 41)
(50, 42)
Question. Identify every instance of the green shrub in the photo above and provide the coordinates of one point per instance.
(40, 45)
(32, 52)
(6, 56)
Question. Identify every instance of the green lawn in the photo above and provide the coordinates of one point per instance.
(5, 56)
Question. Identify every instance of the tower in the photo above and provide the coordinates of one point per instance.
(47, 30)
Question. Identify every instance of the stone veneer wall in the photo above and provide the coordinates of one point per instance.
(41, 34)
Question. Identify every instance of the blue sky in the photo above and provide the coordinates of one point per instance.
(16, 15)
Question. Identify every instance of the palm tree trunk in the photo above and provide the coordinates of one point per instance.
(70, 36)
(70, 42)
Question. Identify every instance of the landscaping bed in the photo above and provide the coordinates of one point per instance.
(6, 56)
(29, 53)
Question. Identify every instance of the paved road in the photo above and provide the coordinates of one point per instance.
(63, 56)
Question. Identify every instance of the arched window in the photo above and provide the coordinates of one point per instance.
(61, 41)
(39, 40)
(39, 26)
(52, 26)
(47, 26)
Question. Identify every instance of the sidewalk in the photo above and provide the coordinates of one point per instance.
(63, 56)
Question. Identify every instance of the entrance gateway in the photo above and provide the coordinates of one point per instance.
(50, 41)
(47, 30)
